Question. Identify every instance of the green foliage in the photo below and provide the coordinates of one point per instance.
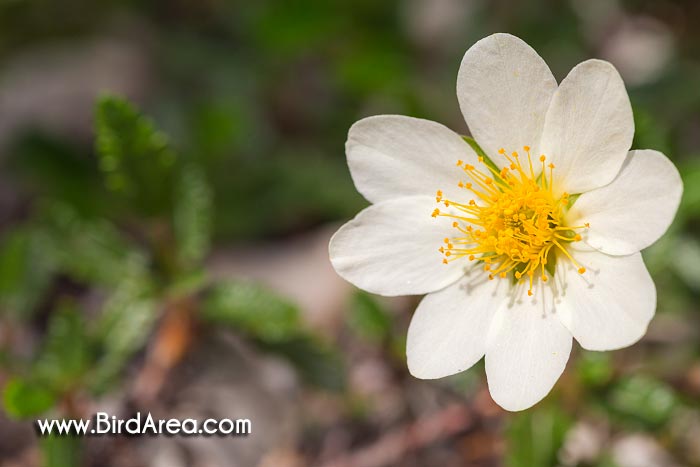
(274, 323)
(66, 353)
(92, 251)
(61, 451)
(643, 401)
(317, 362)
(252, 309)
(63, 360)
(135, 157)
(192, 217)
(594, 368)
(26, 266)
(535, 436)
(125, 323)
(368, 317)
(690, 204)
(23, 398)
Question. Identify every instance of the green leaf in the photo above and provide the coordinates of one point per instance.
(274, 324)
(61, 451)
(66, 353)
(126, 321)
(535, 436)
(684, 260)
(192, 217)
(26, 267)
(690, 203)
(594, 368)
(317, 362)
(368, 317)
(643, 400)
(135, 157)
(91, 251)
(23, 398)
(252, 309)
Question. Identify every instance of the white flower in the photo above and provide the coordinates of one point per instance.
(513, 261)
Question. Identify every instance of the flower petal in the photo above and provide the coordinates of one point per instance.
(610, 305)
(504, 90)
(589, 127)
(527, 351)
(449, 328)
(391, 248)
(634, 210)
(392, 156)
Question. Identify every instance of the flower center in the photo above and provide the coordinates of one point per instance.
(513, 223)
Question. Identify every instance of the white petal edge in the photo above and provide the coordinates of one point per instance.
(504, 89)
(634, 210)
(589, 127)
(527, 351)
(392, 156)
(449, 329)
(391, 249)
(610, 305)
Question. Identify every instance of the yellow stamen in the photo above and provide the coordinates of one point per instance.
(517, 224)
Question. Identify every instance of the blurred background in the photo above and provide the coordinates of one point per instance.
(170, 175)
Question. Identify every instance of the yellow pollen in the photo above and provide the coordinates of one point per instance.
(513, 224)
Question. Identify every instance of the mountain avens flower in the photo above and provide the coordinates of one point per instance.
(520, 248)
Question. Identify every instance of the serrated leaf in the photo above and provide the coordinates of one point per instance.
(192, 216)
(26, 267)
(126, 321)
(91, 251)
(65, 355)
(23, 398)
(253, 309)
(135, 157)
